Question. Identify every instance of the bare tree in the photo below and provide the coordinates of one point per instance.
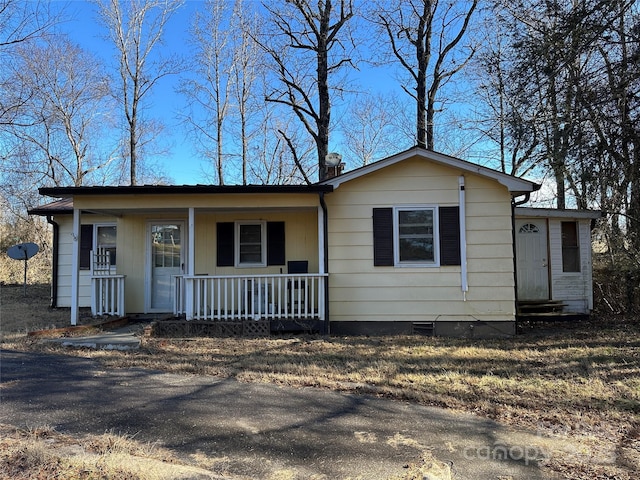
(425, 38)
(370, 128)
(506, 115)
(136, 28)
(247, 70)
(309, 46)
(20, 23)
(208, 89)
(65, 118)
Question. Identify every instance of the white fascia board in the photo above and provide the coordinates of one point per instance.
(523, 212)
(515, 185)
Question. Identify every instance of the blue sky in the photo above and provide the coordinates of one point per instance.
(182, 164)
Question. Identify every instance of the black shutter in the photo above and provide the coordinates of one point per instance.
(86, 245)
(275, 243)
(383, 237)
(225, 244)
(449, 220)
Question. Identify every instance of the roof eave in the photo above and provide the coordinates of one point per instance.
(517, 186)
(67, 192)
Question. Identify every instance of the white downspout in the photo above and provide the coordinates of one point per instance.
(463, 239)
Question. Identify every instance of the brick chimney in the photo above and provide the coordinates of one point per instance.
(333, 165)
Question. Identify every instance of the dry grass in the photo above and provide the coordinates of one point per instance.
(582, 384)
(43, 453)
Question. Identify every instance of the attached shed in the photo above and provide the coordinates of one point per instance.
(554, 260)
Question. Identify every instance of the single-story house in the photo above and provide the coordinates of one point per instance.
(418, 241)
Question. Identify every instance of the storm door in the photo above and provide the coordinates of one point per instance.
(166, 259)
(532, 259)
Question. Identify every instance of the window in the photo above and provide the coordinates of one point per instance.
(166, 246)
(416, 236)
(106, 241)
(251, 248)
(250, 244)
(570, 247)
(95, 237)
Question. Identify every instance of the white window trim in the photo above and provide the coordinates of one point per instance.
(263, 246)
(396, 237)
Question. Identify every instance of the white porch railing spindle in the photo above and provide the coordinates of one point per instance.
(240, 297)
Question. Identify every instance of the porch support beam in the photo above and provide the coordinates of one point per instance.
(191, 235)
(191, 263)
(75, 267)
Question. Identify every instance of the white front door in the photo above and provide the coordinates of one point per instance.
(532, 263)
(166, 259)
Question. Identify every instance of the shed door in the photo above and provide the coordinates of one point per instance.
(166, 261)
(532, 259)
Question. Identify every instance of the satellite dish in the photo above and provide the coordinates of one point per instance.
(23, 251)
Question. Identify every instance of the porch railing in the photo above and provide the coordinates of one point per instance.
(256, 297)
(107, 288)
(107, 295)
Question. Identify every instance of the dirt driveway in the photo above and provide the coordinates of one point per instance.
(263, 431)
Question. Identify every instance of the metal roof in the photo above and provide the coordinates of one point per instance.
(64, 192)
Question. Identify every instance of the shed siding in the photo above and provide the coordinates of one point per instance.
(572, 288)
(361, 292)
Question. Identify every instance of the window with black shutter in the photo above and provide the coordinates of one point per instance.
(249, 243)
(416, 236)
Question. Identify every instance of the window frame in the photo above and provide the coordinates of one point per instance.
(435, 236)
(96, 226)
(573, 249)
(263, 244)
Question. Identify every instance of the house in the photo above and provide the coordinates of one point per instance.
(416, 242)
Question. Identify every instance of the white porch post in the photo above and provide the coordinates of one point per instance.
(191, 250)
(75, 267)
(191, 263)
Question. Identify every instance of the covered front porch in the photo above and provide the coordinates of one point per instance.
(207, 258)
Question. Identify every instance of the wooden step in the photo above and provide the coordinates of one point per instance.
(540, 306)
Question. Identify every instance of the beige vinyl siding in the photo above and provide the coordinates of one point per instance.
(132, 259)
(301, 236)
(160, 203)
(572, 288)
(361, 292)
(65, 249)
(301, 240)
